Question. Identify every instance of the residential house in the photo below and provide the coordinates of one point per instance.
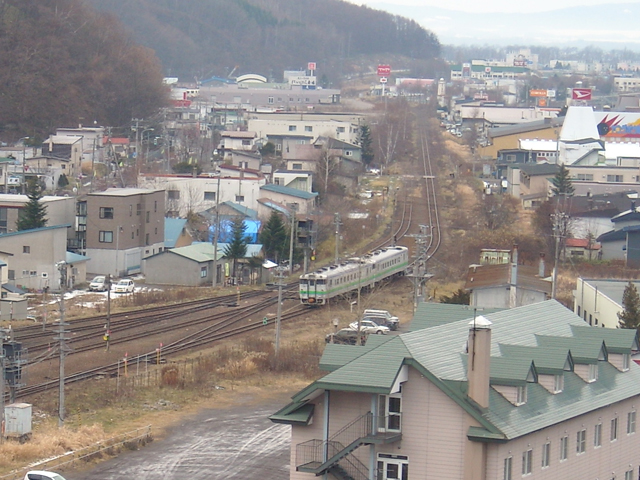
(192, 265)
(621, 242)
(277, 127)
(186, 193)
(581, 249)
(176, 233)
(67, 147)
(236, 140)
(33, 255)
(304, 202)
(60, 211)
(298, 179)
(529, 391)
(123, 226)
(531, 183)
(245, 159)
(48, 169)
(598, 301)
(507, 285)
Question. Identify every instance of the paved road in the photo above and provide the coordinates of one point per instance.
(235, 443)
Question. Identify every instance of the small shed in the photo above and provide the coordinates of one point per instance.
(18, 419)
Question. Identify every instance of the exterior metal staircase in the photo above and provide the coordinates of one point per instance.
(311, 454)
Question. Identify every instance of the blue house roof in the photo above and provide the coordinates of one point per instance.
(41, 229)
(76, 258)
(172, 230)
(294, 192)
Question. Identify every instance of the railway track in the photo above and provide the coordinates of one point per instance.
(435, 238)
(223, 328)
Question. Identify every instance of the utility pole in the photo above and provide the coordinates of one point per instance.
(560, 220)
(359, 340)
(337, 222)
(107, 335)
(4, 334)
(280, 273)
(216, 233)
(62, 268)
(294, 207)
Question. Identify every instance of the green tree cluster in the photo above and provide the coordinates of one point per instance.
(630, 315)
(562, 182)
(274, 238)
(237, 247)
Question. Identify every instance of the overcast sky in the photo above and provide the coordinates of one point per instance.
(513, 6)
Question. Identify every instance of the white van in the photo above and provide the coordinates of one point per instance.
(384, 314)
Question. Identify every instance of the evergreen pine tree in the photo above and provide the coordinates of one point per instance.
(274, 237)
(630, 315)
(63, 181)
(33, 215)
(562, 182)
(366, 144)
(459, 297)
(237, 247)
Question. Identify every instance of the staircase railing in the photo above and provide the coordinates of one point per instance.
(354, 468)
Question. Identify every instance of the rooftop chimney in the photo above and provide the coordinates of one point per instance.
(541, 266)
(479, 360)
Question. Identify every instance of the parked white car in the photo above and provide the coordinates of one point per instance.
(124, 286)
(368, 326)
(42, 475)
(98, 284)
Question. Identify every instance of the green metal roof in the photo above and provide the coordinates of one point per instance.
(548, 361)
(546, 333)
(295, 413)
(617, 340)
(336, 356)
(433, 314)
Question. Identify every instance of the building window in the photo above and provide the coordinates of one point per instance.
(11, 274)
(146, 239)
(3, 220)
(614, 429)
(546, 454)
(203, 272)
(564, 448)
(246, 143)
(155, 206)
(26, 249)
(507, 468)
(138, 209)
(392, 467)
(390, 413)
(239, 198)
(631, 423)
(106, 212)
(156, 231)
(614, 178)
(148, 213)
(521, 395)
(626, 361)
(296, 166)
(209, 195)
(558, 383)
(308, 128)
(593, 372)
(105, 236)
(588, 177)
(292, 128)
(581, 441)
(130, 210)
(628, 475)
(597, 436)
(270, 100)
(173, 194)
(527, 458)
(340, 129)
(348, 153)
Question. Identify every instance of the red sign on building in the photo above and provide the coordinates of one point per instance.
(581, 94)
(311, 66)
(384, 70)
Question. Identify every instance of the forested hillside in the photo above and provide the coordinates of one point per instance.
(63, 63)
(200, 38)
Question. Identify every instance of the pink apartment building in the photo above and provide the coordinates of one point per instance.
(531, 392)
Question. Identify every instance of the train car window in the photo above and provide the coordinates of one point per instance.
(303, 282)
(320, 282)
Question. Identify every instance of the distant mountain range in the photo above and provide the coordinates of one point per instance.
(201, 38)
(610, 26)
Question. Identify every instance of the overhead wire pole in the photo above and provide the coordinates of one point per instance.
(216, 233)
(280, 272)
(337, 222)
(293, 207)
(62, 268)
(3, 336)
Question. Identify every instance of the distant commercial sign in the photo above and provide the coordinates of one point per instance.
(581, 94)
(538, 92)
(384, 70)
(383, 79)
(304, 80)
(311, 66)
